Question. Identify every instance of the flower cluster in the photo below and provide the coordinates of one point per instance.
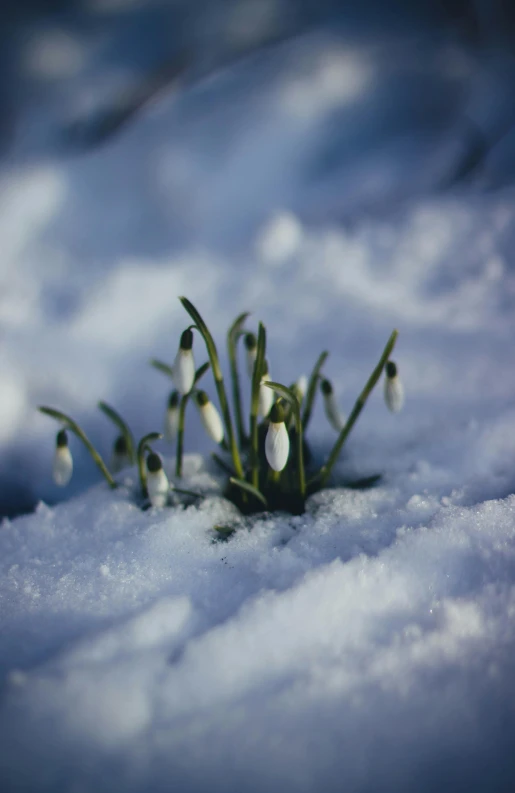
(265, 459)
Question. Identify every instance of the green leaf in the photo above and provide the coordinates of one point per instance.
(162, 367)
(248, 488)
(312, 389)
(254, 403)
(142, 446)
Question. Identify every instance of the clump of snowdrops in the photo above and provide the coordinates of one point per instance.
(266, 459)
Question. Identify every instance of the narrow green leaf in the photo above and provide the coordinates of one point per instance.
(257, 374)
(326, 469)
(122, 425)
(312, 389)
(201, 371)
(248, 488)
(222, 464)
(162, 367)
(233, 334)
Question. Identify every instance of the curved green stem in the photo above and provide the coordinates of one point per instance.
(182, 419)
(122, 426)
(79, 432)
(219, 382)
(326, 469)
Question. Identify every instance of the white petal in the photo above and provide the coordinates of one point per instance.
(334, 416)
(393, 393)
(158, 487)
(302, 385)
(171, 425)
(63, 466)
(277, 446)
(184, 371)
(119, 462)
(212, 422)
(266, 397)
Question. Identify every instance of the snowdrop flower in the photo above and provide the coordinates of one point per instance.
(332, 411)
(157, 481)
(210, 417)
(393, 388)
(172, 417)
(266, 395)
(277, 441)
(120, 458)
(300, 388)
(251, 347)
(184, 364)
(63, 462)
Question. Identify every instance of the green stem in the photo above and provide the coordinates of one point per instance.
(142, 447)
(232, 340)
(181, 423)
(312, 389)
(74, 427)
(219, 382)
(326, 469)
(180, 435)
(122, 426)
(254, 404)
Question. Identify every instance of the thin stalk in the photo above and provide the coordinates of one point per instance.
(254, 404)
(182, 419)
(222, 464)
(248, 488)
(142, 446)
(290, 397)
(312, 389)
(235, 331)
(122, 426)
(326, 469)
(74, 427)
(219, 382)
(162, 367)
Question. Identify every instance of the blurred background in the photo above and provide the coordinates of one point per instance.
(145, 136)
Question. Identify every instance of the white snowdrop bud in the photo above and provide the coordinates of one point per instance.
(250, 342)
(157, 481)
(184, 364)
(172, 417)
(301, 386)
(393, 388)
(210, 417)
(120, 458)
(63, 462)
(266, 395)
(334, 416)
(277, 441)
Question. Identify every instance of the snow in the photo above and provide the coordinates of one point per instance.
(367, 644)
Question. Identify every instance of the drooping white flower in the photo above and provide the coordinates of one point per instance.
(301, 386)
(210, 417)
(184, 364)
(120, 458)
(63, 462)
(277, 441)
(171, 424)
(393, 388)
(266, 395)
(250, 342)
(158, 485)
(333, 413)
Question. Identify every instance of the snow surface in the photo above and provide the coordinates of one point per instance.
(368, 644)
